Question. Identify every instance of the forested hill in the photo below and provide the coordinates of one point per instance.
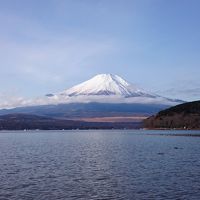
(183, 116)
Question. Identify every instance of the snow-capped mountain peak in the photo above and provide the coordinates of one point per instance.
(102, 88)
(105, 84)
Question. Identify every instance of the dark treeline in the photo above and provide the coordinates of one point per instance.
(184, 116)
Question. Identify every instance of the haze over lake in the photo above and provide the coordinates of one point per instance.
(123, 164)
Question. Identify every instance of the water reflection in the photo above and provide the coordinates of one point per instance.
(98, 165)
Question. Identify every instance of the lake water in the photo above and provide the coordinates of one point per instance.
(50, 165)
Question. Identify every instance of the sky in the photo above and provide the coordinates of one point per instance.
(47, 46)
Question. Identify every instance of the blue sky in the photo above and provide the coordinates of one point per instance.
(49, 45)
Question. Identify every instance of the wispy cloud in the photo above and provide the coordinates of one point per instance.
(47, 46)
(36, 55)
(188, 90)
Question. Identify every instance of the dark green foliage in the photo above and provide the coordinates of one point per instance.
(185, 108)
(184, 116)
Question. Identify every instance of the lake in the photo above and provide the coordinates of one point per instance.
(121, 164)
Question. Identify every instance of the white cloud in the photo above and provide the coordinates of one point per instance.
(15, 101)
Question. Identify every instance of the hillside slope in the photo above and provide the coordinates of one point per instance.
(184, 116)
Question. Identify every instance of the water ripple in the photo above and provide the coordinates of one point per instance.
(118, 165)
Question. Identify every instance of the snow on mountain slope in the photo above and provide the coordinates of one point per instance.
(108, 88)
(105, 84)
(102, 88)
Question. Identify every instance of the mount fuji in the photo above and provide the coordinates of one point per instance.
(107, 88)
(105, 84)
(103, 96)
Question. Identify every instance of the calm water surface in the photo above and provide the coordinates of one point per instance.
(50, 165)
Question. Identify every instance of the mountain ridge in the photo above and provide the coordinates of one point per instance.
(35, 122)
(102, 96)
(102, 88)
(108, 88)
